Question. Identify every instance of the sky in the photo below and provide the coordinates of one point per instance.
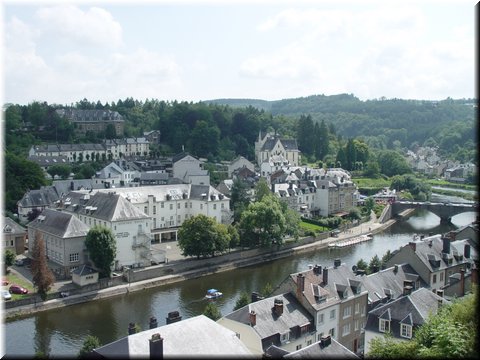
(62, 52)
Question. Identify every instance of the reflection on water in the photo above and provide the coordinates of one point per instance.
(61, 332)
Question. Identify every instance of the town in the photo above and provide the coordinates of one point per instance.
(329, 310)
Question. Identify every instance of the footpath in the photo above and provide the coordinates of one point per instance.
(370, 227)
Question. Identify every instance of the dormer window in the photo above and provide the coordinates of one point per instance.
(406, 331)
(384, 325)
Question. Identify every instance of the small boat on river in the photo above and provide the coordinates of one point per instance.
(213, 294)
(352, 241)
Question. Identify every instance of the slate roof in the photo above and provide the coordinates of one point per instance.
(288, 144)
(268, 323)
(89, 115)
(65, 186)
(198, 336)
(11, 227)
(317, 351)
(108, 206)
(39, 198)
(389, 281)
(409, 309)
(112, 168)
(339, 280)
(83, 270)
(61, 224)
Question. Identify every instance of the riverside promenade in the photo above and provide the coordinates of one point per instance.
(174, 254)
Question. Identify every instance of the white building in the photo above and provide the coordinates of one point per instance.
(190, 170)
(268, 145)
(113, 175)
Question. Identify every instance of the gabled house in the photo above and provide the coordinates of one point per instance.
(64, 236)
(45, 162)
(13, 236)
(335, 298)
(280, 320)
(34, 201)
(435, 259)
(84, 275)
(402, 316)
(239, 163)
(96, 120)
(153, 136)
(113, 175)
(130, 226)
(190, 170)
(195, 337)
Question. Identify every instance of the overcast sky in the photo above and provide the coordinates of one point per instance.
(62, 52)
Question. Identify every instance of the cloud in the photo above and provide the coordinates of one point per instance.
(93, 27)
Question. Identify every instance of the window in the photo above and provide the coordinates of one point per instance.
(320, 318)
(178, 205)
(162, 205)
(441, 276)
(201, 206)
(309, 342)
(357, 308)
(332, 314)
(284, 337)
(331, 332)
(299, 347)
(223, 206)
(154, 209)
(346, 329)
(73, 257)
(357, 325)
(145, 210)
(214, 206)
(384, 325)
(406, 331)
(186, 205)
(171, 206)
(347, 311)
(434, 279)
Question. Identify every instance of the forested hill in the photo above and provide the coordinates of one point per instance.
(383, 122)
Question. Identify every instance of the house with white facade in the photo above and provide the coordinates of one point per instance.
(268, 145)
(190, 170)
(64, 236)
(272, 164)
(113, 175)
(13, 236)
(130, 226)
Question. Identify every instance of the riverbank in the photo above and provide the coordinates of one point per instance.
(371, 226)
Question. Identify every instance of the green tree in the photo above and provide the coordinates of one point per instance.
(354, 214)
(369, 204)
(211, 311)
(242, 301)
(202, 236)
(110, 132)
(42, 276)
(89, 344)
(374, 264)
(263, 223)
(102, 248)
(262, 189)
(239, 199)
(362, 265)
(8, 258)
(392, 163)
(267, 290)
(61, 170)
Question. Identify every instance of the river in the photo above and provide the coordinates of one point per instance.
(61, 332)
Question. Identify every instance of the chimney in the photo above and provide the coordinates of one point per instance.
(278, 306)
(325, 276)
(325, 341)
(474, 278)
(336, 263)
(131, 329)
(466, 251)
(395, 269)
(300, 285)
(156, 346)
(317, 269)
(253, 318)
(462, 282)
(440, 302)
(446, 246)
(440, 293)
(407, 287)
(173, 316)
(153, 322)
(413, 245)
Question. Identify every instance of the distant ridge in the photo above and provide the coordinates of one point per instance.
(256, 103)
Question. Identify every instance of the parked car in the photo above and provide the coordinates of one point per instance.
(5, 295)
(17, 289)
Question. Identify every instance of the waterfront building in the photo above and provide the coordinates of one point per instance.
(64, 236)
(280, 320)
(195, 337)
(402, 317)
(335, 298)
(436, 258)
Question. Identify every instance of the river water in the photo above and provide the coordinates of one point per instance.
(61, 332)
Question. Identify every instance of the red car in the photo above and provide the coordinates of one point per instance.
(17, 289)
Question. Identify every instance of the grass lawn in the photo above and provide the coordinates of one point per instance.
(312, 227)
(15, 279)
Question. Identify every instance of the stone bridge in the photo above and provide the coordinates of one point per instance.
(445, 211)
